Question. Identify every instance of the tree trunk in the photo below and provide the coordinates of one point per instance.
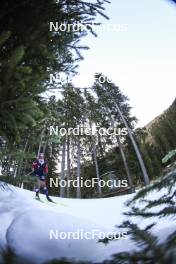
(78, 191)
(62, 188)
(68, 166)
(138, 154)
(44, 147)
(94, 156)
(41, 139)
(141, 162)
(96, 168)
(15, 170)
(130, 182)
(21, 160)
(100, 146)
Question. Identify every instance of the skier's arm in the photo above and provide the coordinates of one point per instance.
(34, 166)
(46, 169)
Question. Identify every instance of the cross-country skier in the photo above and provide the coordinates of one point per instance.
(40, 169)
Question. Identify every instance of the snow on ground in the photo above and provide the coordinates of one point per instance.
(26, 226)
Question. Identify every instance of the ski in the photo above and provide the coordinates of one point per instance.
(49, 199)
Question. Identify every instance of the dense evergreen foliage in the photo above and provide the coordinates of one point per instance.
(30, 52)
(150, 249)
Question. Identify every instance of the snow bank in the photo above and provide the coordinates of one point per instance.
(26, 226)
(35, 237)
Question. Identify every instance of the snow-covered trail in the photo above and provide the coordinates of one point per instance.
(107, 212)
(25, 226)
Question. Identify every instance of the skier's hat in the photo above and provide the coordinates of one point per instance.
(41, 155)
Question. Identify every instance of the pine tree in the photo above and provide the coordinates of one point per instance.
(149, 248)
